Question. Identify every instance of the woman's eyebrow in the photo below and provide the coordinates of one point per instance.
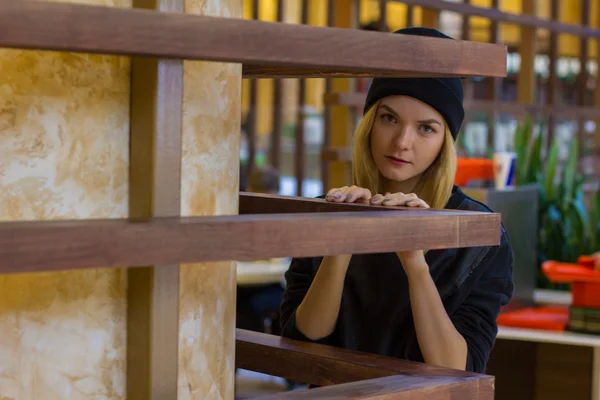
(390, 109)
(430, 121)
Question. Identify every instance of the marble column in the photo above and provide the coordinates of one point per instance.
(64, 143)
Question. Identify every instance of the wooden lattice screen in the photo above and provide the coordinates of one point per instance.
(268, 226)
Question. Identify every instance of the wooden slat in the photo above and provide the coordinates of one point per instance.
(259, 203)
(278, 106)
(303, 50)
(299, 148)
(551, 90)
(155, 187)
(58, 245)
(326, 366)
(504, 17)
(399, 387)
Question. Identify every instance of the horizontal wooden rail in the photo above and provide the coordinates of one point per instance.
(496, 15)
(371, 374)
(114, 243)
(293, 50)
(397, 387)
(356, 99)
(258, 203)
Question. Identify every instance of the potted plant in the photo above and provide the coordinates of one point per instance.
(568, 228)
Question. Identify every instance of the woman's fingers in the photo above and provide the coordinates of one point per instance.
(351, 194)
(377, 199)
(336, 194)
(348, 194)
(417, 203)
(398, 199)
(357, 193)
(401, 199)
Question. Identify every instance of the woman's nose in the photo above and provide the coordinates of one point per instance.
(404, 138)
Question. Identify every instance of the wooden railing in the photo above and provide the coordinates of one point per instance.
(342, 373)
(155, 239)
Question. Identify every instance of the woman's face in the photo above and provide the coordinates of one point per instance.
(406, 138)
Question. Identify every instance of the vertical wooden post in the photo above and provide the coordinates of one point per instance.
(299, 154)
(383, 26)
(155, 180)
(277, 131)
(551, 93)
(467, 82)
(526, 84)
(409, 15)
(340, 122)
(252, 110)
(582, 78)
(430, 18)
(493, 85)
(327, 121)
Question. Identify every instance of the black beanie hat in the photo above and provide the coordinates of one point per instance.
(443, 94)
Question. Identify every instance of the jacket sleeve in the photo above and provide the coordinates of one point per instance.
(475, 318)
(298, 278)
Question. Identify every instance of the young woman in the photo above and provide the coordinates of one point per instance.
(438, 306)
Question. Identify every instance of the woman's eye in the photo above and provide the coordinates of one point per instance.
(388, 118)
(427, 129)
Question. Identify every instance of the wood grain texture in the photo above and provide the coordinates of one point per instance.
(259, 203)
(155, 187)
(55, 245)
(293, 50)
(337, 368)
(398, 387)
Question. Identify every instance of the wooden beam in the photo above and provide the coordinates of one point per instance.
(551, 89)
(341, 121)
(582, 78)
(278, 106)
(259, 203)
(304, 50)
(526, 82)
(299, 150)
(397, 387)
(326, 365)
(154, 191)
(116, 243)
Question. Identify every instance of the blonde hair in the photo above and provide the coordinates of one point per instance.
(435, 185)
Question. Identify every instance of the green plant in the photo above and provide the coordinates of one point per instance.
(566, 228)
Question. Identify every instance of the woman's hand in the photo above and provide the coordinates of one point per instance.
(413, 261)
(348, 194)
(399, 199)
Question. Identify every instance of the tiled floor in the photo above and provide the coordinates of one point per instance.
(250, 384)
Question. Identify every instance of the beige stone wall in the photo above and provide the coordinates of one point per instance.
(210, 169)
(64, 126)
(64, 138)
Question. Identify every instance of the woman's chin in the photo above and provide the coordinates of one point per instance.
(395, 175)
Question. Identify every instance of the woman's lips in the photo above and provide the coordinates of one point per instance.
(397, 161)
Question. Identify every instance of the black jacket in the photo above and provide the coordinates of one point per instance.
(375, 314)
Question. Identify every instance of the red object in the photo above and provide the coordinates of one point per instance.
(584, 279)
(560, 272)
(546, 318)
(586, 261)
(473, 168)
